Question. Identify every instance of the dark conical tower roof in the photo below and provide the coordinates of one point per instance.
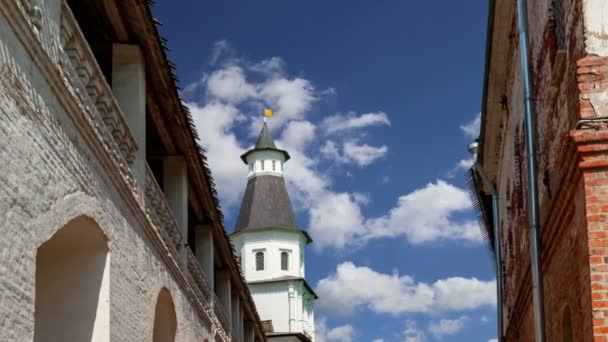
(265, 139)
(266, 204)
(265, 142)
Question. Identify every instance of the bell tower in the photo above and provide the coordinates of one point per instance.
(271, 246)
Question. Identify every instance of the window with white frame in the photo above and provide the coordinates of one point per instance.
(259, 261)
(284, 260)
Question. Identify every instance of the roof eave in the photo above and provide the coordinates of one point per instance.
(484, 99)
(260, 229)
(244, 155)
(299, 335)
(168, 81)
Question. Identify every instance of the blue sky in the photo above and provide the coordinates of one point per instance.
(376, 102)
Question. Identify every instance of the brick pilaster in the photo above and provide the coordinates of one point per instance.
(592, 146)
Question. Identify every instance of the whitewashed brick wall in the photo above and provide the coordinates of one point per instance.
(50, 174)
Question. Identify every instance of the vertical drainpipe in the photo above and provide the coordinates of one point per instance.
(530, 123)
(497, 240)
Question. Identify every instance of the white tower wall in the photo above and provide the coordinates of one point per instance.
(272, 242)
(270, 246)
(268, 162)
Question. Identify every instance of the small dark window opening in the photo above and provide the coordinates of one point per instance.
(262, 164)
(274, 165)
(284, 261)
(259, 261)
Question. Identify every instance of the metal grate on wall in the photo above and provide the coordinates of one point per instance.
(259, 261)
(284, 261)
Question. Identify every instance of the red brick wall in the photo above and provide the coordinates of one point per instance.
(592, 145)
(562, 185)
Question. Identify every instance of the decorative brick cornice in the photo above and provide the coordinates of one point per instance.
(592, 146)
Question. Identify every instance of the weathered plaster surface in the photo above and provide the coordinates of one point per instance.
(596, 26)
(599, 101)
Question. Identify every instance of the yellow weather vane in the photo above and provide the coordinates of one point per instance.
(268, 113)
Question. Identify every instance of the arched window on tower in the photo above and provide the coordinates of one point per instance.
(259, 261)
(284, 261)
(262, 162)
(274, 168)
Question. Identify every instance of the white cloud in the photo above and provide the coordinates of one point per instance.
(338, 122)
(343, 333)
(305, 182)
(378, 340)
(462, 165)
(412, 333)
(352, 152)
(297, 135)
(228, 94)
(220, 50)
(329, 92)
(426, 214)
(465, 164)
(273, 66)
(493, 340)
(471, 129)
(363, 155)
(290, 98)
(335, 218)
(353, 288)
(447, 326)
(229, 84)
(214, 123)
(330, 150)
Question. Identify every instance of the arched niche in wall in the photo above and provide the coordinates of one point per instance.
(72, 285)
(165, 321)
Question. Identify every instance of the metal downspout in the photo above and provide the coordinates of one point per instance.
(530, 126)
(497, 244)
